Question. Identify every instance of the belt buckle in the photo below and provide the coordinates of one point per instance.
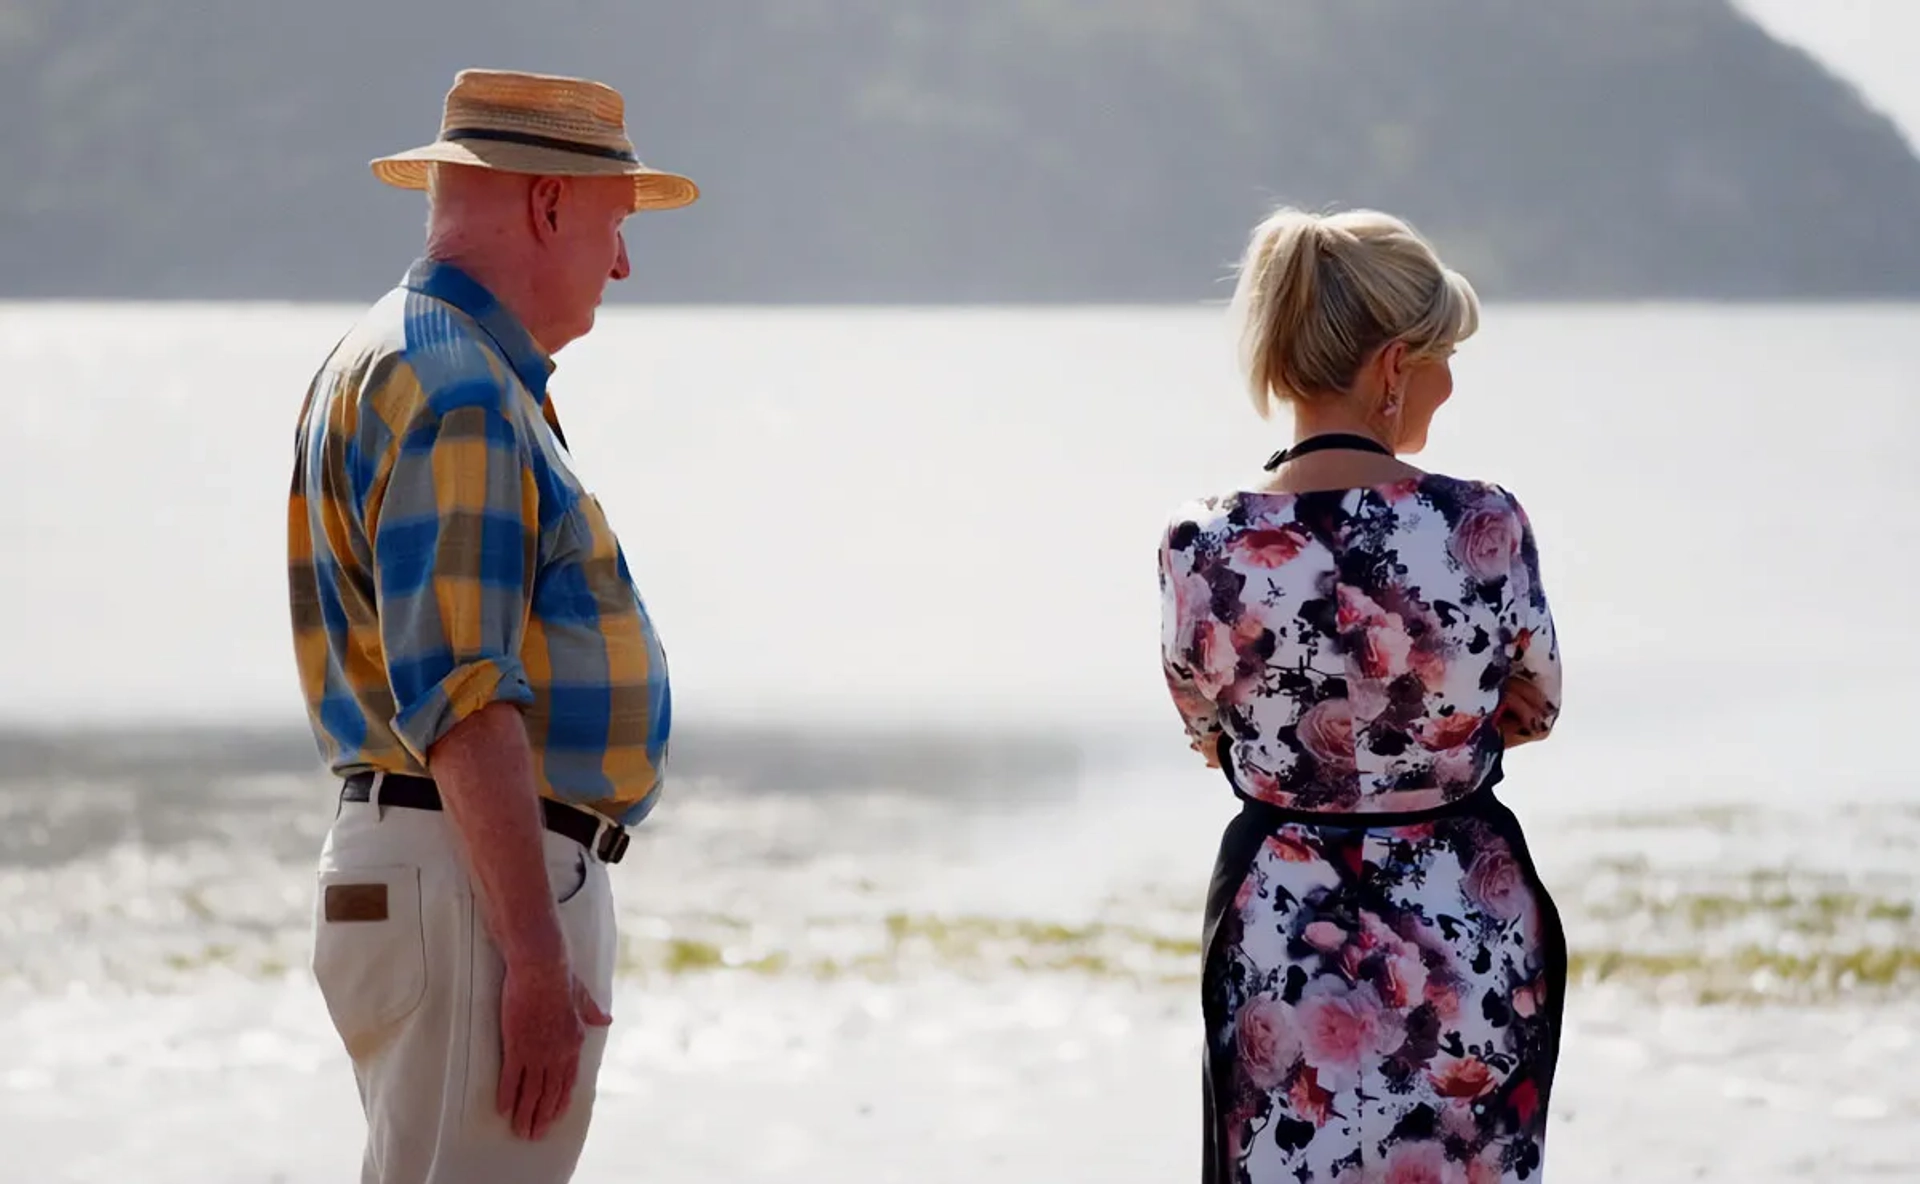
(610, 839)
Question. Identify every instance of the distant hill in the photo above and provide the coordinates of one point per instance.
(965, 150)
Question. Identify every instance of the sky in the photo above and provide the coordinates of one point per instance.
(1874, 44)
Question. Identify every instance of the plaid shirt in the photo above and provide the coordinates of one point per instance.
(443, 556)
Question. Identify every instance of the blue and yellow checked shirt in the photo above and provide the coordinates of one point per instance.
(443, 556)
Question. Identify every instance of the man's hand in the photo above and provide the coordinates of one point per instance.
(544, 1013)
(484, 768)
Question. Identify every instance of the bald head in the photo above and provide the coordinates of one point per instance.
(461, 200)
(544, 246)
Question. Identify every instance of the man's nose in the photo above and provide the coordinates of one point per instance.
(621, 268)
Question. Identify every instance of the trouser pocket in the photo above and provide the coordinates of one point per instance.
(578, 883)
(566, 869)
(369, 951)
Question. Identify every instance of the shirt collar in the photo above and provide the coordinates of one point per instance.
(447, 283)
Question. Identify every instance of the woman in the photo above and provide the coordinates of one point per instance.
(1354, 642)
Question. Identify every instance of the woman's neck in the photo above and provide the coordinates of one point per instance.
(1336, 468)
(1310, 420)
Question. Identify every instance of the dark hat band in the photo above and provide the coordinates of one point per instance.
(530, 140)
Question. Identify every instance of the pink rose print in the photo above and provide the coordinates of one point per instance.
(1350, 958)
(1290, 849)
(1367, 698)
(1259, 782)
(1267, 1041)
(1485, 542)
(1456, 768)
(1485, 1168)
(1384, 645)
(1385, 649)
(1270, 548)
(1422, 1163)
(1469, 1077)
(1430, 666)
(1214, 660)
(1406, 977)
(1457, 1121)
(1341, 1031)
(1406, 973)
(1442, 732)
(1495, 883)
(1248, 631)
(1326, 732)
(1356, 608)
(1309, 1100)
(1374, 933)
(1445, 1000)
(1528, 1000)
(1325, 936)
(1247, 664)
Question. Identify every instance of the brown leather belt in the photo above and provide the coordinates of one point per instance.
(605, 838)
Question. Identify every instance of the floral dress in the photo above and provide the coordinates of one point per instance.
(1384, 970)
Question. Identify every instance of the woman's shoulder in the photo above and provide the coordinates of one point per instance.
(1458, 496)
(1484, 525)
(1454, 498)
(1209, 514)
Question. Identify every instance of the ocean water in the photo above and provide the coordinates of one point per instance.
(923, 901)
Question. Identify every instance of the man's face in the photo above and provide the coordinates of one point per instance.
(579, 220)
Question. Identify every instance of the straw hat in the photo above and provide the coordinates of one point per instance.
(539, 124)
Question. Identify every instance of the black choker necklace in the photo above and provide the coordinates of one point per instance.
(1324, 442)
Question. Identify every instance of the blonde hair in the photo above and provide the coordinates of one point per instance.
(1318, 294)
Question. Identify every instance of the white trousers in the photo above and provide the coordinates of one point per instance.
(412, 982)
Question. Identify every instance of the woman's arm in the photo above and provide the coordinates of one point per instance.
(1530, 703)
(1178, 653)
(1525, 714)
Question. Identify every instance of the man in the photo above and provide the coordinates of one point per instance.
(478, 667)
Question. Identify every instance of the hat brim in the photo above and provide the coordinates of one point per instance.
(653, 189)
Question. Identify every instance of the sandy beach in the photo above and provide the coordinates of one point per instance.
(888, 987)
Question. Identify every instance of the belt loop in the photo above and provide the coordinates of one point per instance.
(373, 795)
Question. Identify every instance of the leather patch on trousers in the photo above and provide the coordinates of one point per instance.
(356, 902)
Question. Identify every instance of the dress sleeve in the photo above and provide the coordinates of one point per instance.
(1536, 645)
(1183, 604)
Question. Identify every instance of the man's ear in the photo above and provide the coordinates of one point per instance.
(544, 198)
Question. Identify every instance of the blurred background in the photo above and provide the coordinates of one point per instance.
(889, 422)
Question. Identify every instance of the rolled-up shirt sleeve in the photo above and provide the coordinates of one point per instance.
(454, 544)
